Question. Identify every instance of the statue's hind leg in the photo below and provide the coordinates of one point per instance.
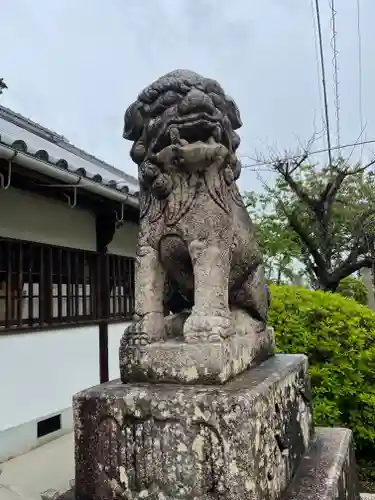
(252, 295)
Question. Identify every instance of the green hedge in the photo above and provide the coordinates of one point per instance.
(338, 336)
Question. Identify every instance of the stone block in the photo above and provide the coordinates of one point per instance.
(243, 439)
(328, 471)
(176, 361)
(51, 494)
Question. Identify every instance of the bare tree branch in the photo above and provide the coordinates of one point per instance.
(309, 243)
(348, 268)
(317, 236)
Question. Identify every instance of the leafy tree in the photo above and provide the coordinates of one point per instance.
(316, 216)
(281, 248)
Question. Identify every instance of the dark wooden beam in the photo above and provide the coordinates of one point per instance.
(105, 231)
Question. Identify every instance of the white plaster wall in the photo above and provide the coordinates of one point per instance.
(115, 332)
(27, 216)
(40, 372)
(125, 240)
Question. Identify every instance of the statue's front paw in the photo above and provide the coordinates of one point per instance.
(148, 329)
(207, 328)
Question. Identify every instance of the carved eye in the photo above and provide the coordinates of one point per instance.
(164, 101)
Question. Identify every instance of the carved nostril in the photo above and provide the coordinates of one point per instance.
(195, 101)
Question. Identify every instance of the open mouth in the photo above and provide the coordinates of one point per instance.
(190, 130)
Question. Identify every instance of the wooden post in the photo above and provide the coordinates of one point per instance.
(105, 230)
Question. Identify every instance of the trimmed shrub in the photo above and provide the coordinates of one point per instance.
(338, 336)
(353, 288)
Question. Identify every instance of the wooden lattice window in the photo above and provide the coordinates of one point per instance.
(121, 281)
(42, 285)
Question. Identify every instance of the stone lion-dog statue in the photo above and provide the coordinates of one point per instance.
(197, 256)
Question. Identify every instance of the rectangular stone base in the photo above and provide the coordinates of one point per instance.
(243, 439)
(176, 361)
(328, 470)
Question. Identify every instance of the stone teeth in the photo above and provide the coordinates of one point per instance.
(174, 135)
(211, 140)
(216, 133)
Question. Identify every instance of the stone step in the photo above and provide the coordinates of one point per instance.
(328, 470)
(242, 439)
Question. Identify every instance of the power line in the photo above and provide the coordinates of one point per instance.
(360, 104)
(325, 150)
(335, 70)
(316, 47)
(324, 85)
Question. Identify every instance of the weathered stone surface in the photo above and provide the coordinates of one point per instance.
(196, 248)
(69, 495)
(204, 362)
(51, 494)
(243, 439)
(363, 496)
(328, 471)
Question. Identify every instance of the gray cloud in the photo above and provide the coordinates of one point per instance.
(75, 66)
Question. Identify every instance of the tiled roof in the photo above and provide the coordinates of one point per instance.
(26, 136)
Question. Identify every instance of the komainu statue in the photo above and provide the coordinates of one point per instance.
(197, 255)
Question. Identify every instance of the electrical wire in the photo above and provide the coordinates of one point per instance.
(335, 71)
(360, 103)
(295, 157)
(316, 48)
(324, 85)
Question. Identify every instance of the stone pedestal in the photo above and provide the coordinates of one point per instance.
(240, 440)
(177, 361)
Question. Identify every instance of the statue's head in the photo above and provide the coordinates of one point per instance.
(181, 121)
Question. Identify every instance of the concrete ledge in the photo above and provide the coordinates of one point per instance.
(68, 494)
(328, 470)
(18, 440)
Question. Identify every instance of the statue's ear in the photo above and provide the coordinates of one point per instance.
(236, 141)
(138, 151)
(133, 122)
(236, 168)
(233, 113)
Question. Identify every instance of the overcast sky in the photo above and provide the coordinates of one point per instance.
(74, 66)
